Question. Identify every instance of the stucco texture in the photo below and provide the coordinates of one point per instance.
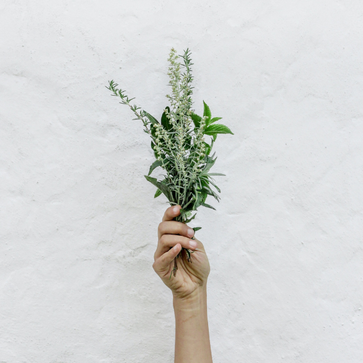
(78, 220)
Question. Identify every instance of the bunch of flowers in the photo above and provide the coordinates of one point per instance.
(179, 142)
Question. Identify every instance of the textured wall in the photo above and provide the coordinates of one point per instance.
(78, 221)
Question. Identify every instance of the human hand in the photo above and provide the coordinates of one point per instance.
(191, 277)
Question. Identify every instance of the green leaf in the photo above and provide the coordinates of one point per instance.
(209, 163)
(213, 140)
(208, 191)
(163, 187)
(154, 165)
(196, 119)
(190, 219)
(152, 119)
(208, 148)
(207, 113)
(217, 129)
(204, 196)
(157, 193)
(215, 186)
(185, 213)
(165, 119)
(153, 147)
(214, 119)
(207, 206)
(187, 216)
(201, 197)
(216, 174)
(197, 228)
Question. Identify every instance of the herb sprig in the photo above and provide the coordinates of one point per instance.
(179, 145)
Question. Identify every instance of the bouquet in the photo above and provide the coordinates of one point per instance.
(182, 142)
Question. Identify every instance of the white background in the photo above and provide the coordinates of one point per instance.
(78, 220)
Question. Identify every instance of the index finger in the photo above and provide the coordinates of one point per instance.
(171, 213)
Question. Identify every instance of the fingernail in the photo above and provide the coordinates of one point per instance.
(175, 209)
(193, 244)
(190, 232)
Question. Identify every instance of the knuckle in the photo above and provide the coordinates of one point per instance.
(162, 240)
(155, 267)
(185, 230)
(161, 227)
(182, 240)
(164, 259)
(179, 228)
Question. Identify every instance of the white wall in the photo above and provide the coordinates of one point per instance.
(78, 220)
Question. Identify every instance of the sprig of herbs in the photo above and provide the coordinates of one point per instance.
(179, 145)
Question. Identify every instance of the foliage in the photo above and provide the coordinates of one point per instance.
(178, 142)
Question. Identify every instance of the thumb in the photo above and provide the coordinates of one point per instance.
(162, 264)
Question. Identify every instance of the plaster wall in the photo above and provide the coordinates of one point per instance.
(78, 220)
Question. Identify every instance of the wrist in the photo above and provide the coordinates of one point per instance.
(192, 343)
(195, 301)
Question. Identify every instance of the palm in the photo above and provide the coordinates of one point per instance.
(189, 275)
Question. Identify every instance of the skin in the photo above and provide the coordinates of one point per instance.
(189, 287)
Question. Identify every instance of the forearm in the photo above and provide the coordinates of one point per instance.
(192, 343)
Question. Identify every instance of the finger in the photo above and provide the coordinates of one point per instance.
(200, 246)
(172, 227)
(162, 264)
(168, 241)
(171, 213)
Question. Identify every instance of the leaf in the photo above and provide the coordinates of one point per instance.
(165, 119)
(185, 213)
(201, 197)
(204, 196)
(214, 119)
(153, 147)
(197, 228)
(214, 195)
(154, 165)
(213, 140)
(190, 219)
(152, 119)
(164, 188)
(217, 174)
(157, 193)
(210, 162)
(207, 113)
(215, 186)
(217, 129)
(196, 119)
(207, 147)
(208, 191)
(207, 206)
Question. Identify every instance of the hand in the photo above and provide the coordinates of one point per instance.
(191, 277)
